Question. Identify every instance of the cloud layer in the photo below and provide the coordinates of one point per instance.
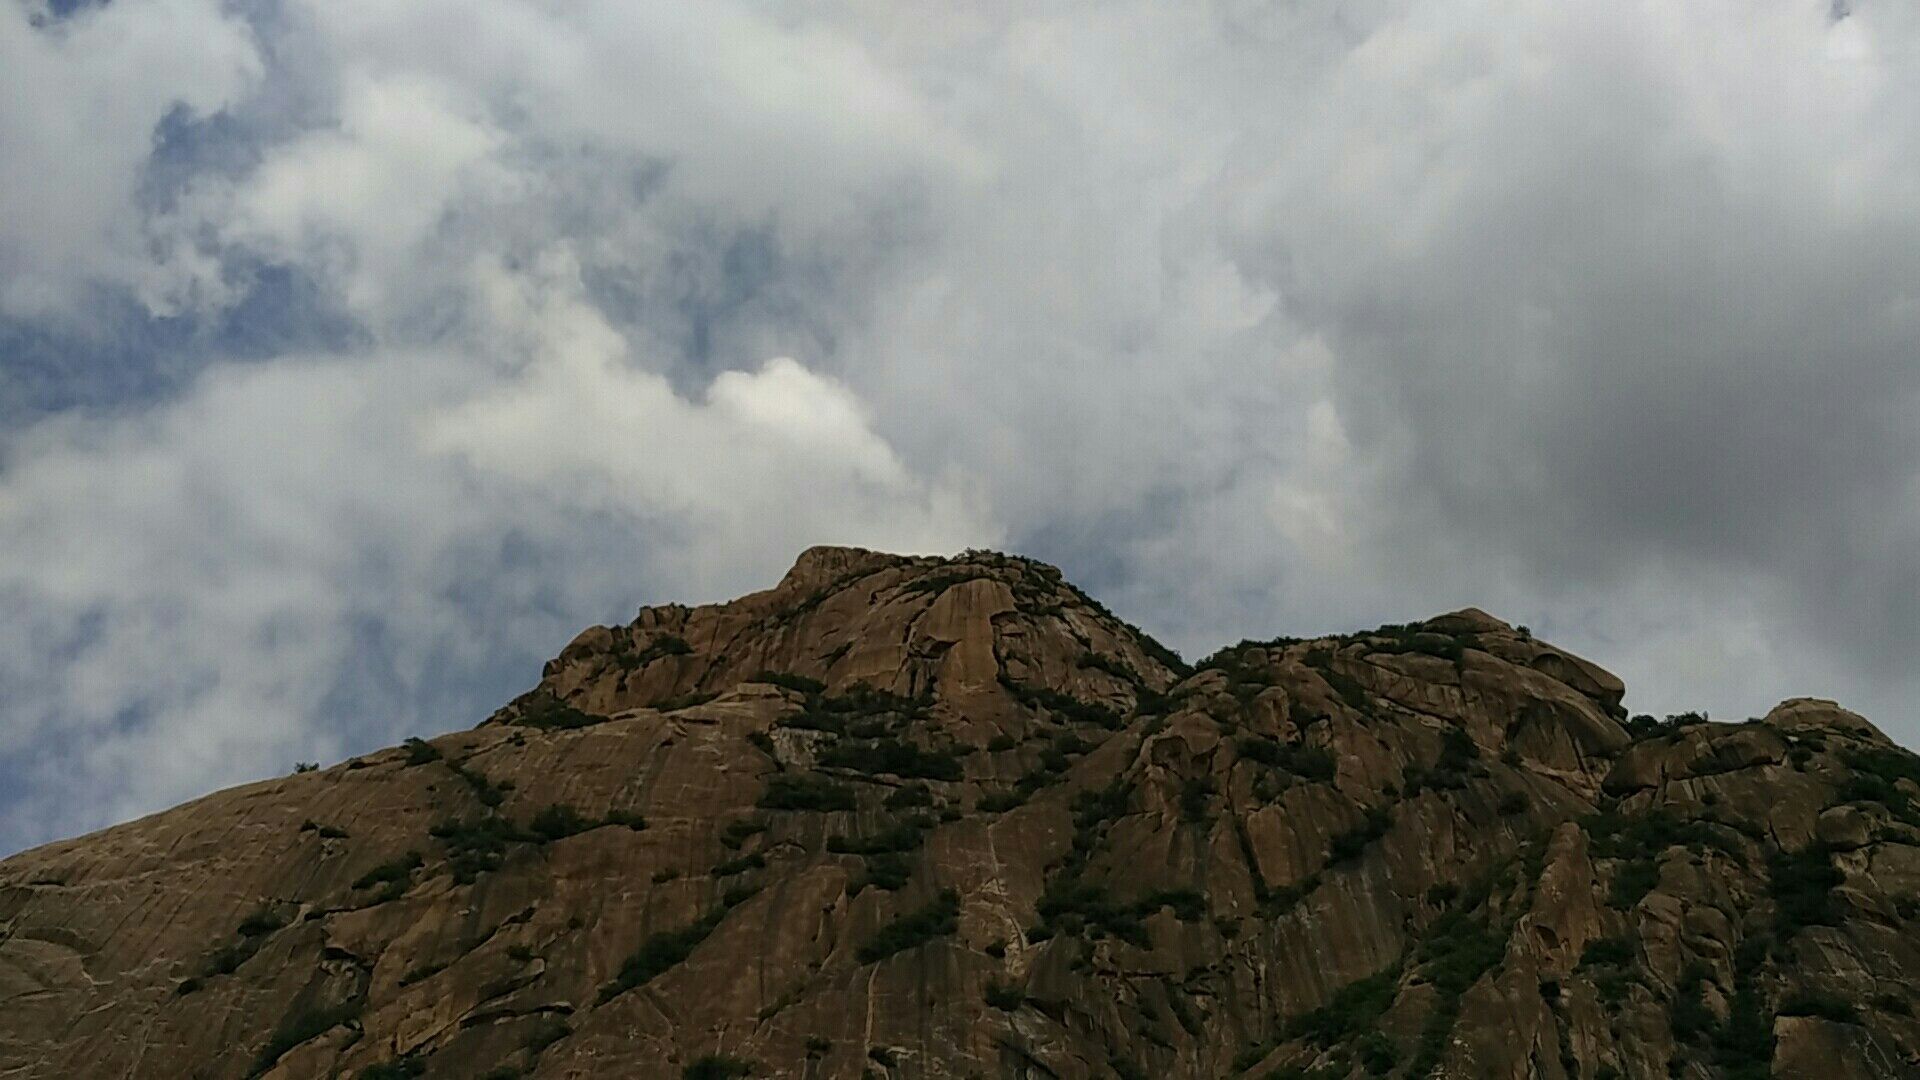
(347, 373)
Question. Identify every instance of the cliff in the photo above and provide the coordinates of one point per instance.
(915, 817)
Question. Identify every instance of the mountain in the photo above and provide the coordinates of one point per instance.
(920, 817)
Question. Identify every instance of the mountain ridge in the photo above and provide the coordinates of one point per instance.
(949, 817)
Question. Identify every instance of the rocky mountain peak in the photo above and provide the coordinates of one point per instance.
(971, 633)
(914, 818)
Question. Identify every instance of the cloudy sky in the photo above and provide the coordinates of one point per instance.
(354, 354)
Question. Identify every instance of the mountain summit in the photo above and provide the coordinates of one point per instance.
(950, 817)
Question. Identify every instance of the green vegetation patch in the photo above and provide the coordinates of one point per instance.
(557, 822)
(895, 757)
(788, 680)
(478, 845)
(860, 711)
(660, 952)
(398, 871)
(1355, 1008)
(1741, 1047)
(543, 710)
(1875, 775)
(997, 802)
(1417, 638)
(1801, 884)
(1351, 844)
(1457, 950)
(739, 831)
(901, 836)
(938, 918)
(1641, 839)
(300, 1026)
(1005, 997)
(1458, 762)
(1064, 707)
(1310, 763)
(627, 658)
(419, 752)
(805, 791)
(718, 1067)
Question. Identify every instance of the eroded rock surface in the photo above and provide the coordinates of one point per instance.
(912, 817)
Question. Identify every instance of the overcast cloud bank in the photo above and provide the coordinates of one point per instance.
(353, 355)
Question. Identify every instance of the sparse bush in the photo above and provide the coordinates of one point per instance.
(630, 818)
(908, 796)
(1823, 1005)
(420, 752)
(801, 791)
(393, 870)
(477, 846)
(1349, 845)
(938, 918)
(557, 822)
(1802, 885)
(884, 870)
(1607, 952)
(1112, 665)
(740, 865)
(902, 836)
(1004, 997)
(543, 710)
(1065, 707)
(718, 1067)
(1188, 904)
(1632, 881)
(891, 756)
(1354, 1008)
(1307, 762)
(658, 953)
(995, 802)
(297, 1028)
(1073, 906)
(684, 701)
(662, 646)
(1378, 1053)
(262, 922)
(789, 681)
(489, 793)
(1196, 795)
(420, 972)
(739, 831)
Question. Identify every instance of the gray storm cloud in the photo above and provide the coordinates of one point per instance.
(1258, 318)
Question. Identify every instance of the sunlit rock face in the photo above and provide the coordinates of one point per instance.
(922, 817)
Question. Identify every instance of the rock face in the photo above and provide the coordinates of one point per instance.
(911, 817)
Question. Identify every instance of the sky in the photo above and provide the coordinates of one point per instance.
(355, 355)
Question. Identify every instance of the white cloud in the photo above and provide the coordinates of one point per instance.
(199, 583)
(79, 101)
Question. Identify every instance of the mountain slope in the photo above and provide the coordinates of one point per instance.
(912, 817)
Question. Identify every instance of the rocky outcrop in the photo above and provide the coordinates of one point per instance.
(914, 817)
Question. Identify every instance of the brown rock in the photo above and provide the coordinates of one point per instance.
(922, 817)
